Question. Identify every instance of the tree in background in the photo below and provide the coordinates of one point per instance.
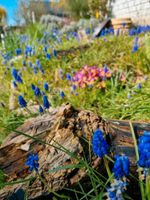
(31, 10)
(98, 8)
(78, 8)
(3, 16)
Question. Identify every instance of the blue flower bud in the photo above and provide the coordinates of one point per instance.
(62, 94)
(46, 103)
(22, 102)
(46, 87)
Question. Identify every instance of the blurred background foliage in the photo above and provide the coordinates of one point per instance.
(3, 15)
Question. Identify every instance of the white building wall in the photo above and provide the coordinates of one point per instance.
(138, 10)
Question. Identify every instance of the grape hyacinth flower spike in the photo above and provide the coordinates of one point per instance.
(32, 162)
(99, 144)
(54, 53)
(46, 103)
(135, 46)
(62, 94)
(46, 87)
(41, 109)
(119, 183)
(144, 154)
(121, 166)
(37, 92)
(22, 102)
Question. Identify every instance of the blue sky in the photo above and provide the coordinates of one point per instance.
(10, 6)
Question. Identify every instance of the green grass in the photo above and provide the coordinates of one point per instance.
(112, 102)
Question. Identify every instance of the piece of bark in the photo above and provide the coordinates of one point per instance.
(61, 127)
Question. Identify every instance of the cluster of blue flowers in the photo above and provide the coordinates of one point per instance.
(120, 169)
(138, 30)
(21, 101)
(121, 166)
(100, 146)
(144, 153)
(133, 31)
(117, 188)
(135, 46)
(16, 75)
(32, 162)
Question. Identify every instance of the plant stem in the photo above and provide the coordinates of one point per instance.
(148, 186)
(108, 169)
(137, 157)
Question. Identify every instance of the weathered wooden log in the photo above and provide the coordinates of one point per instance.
(53, 136)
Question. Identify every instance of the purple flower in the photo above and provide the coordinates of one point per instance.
(35, 70)
(139, 86)
(60, 73)
(30, 64)
(74, 87)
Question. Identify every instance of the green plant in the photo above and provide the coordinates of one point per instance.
(78, 9)
(98, 6)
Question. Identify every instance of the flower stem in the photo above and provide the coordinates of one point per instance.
(148, 187)
(108, 169)
(137, 157)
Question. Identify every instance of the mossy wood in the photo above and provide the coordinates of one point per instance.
(67, 129)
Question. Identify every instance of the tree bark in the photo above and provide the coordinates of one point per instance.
(60, 137)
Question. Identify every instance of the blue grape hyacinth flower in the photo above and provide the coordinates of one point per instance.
(18, 52)
(121, 166)
(139, 86)
(22, 102)
(24, 63)
(16, 75)
(32, 162)
(115, 192)
(46, 87)
(48, 56)
(14, 84)
(37, 92)
(54, 53)
(68, 77)
(33, 87)
(46, 103)
(99, 144)
(144, 150)
(62, 94)
(41, 109)
(135, 46)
